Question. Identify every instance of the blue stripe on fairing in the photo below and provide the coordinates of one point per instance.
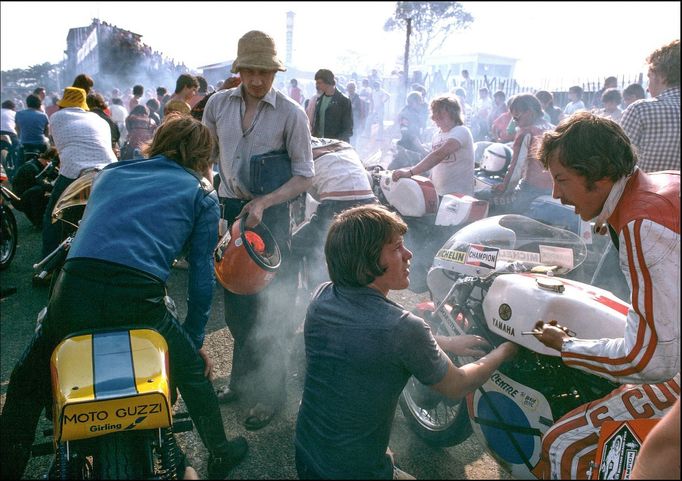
(113, 365)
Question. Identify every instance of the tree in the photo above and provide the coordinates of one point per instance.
(429, 23)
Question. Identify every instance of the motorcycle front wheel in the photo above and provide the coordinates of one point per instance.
(8, 239)
(439, 421)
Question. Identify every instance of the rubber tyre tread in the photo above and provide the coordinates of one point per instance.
(120, 456)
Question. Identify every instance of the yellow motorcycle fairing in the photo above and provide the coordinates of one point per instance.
(110, 381)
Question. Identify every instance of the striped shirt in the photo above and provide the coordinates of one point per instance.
(653, 126)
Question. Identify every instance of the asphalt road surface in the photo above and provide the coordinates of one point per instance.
(271, 451)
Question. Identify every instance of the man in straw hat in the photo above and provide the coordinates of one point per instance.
(252, 119)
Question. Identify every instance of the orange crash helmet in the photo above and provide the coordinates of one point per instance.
(246, 259)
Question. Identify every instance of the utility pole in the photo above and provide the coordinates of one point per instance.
(406, 61)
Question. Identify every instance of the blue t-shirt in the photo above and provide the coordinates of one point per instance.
(361, 349)
(31, 124)
(141, 213)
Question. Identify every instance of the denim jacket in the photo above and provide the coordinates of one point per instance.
(142, 213)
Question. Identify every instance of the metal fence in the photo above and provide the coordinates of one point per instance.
(558, 89)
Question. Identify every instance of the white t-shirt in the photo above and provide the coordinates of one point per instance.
(7, 122)
(340, 176)
(455, 173)
(83, 140)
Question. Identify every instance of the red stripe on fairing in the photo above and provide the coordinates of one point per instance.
(612, 303)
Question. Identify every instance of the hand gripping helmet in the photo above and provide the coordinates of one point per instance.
(246, 259)
(496, 158)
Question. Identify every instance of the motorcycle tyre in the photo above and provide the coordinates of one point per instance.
(8, 246)
(455, 433)
(121, 456)
(457, 430)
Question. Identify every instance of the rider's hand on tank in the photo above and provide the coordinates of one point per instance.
(399, 174)
(551, 334)
(208, 363)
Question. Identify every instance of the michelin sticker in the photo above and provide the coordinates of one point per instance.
(482, 256)
(556, 256)
(450, 255)
(521, 256)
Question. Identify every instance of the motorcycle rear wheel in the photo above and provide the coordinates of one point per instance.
(121, 456)
(439, 421)
(8, 239)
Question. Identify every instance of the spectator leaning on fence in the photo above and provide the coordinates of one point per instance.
(653, 125)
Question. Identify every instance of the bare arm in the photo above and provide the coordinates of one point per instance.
(434, 158)
(459, 381)
(659, 457)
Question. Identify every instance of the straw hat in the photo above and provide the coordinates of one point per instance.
(257, 50)
(73, 97)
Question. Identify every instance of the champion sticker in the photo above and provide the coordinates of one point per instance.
(482, 256)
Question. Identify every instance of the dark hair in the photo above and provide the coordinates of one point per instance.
(203, 85)
(153, 105)
(610, 80)
(635, 89)
(665, 61)
(140, 110)
(84, 82)
(161, 91)
(544, 96)
(576, 89)
(595, 147)
(183, 139)
(449, 104)
(117, 101)
(96, 101)
(500, 94)
(293, 82)
(50, 154)
(526, 102)
(39, 90)
(185, 80)
(8, 104)
(138, 90)
(611, 95)
(326, 76)
(33, 101)
(354, 243)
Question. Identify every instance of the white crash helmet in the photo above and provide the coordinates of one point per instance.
(496, 158)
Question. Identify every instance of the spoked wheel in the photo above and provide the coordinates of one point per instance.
(439, 421)
(8, 236)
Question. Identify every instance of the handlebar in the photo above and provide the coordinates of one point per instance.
(47, 171)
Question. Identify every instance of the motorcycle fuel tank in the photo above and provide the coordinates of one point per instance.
(515, 302)
(413, 197)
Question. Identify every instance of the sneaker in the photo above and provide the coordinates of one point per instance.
(220, 466)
